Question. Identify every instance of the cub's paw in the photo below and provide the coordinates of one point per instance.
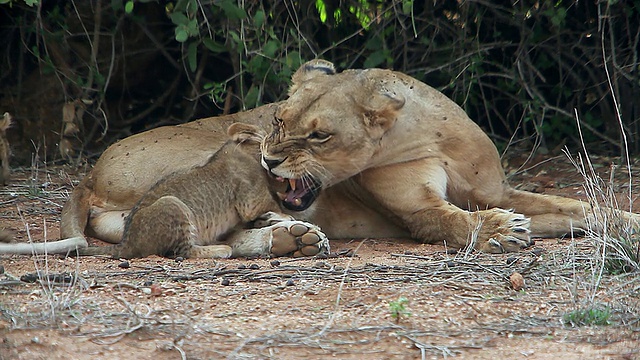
(502, 231)
(297, 239)
(271, 218)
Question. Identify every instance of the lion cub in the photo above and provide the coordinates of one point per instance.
(190, 214)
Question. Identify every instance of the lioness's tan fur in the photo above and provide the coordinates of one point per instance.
(396, 158)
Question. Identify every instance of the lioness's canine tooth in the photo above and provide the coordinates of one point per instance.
(281, 196)
(292, 183)
(297, 202)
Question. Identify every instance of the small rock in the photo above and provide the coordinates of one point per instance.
(148, 283)
(511, 260)
(179, 259)
(275, 263)
(124, 265)
(156, 290)
(242, 266)
(254, 267)
(517, 281)
(225, 282)
(290, 282)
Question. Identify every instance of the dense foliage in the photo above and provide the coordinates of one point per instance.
(522, 69)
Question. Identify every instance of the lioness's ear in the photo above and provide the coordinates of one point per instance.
(309, 70)
(380, 111)
(241, 132)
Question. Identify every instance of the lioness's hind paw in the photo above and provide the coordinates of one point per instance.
(298, 239)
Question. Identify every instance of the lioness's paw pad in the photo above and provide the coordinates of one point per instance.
(297, 239)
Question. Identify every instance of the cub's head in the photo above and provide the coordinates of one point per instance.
(328, 130)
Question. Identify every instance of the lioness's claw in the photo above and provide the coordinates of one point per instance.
(507, 232)
(298, 239)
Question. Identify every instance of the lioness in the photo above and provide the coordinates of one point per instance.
(373, 154)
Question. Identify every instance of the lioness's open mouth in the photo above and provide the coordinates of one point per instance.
(300, 194)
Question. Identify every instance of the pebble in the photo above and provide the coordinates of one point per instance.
(517, 281)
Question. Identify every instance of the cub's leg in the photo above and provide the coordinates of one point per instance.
(167, 228)
(279, 235)
(416, 193)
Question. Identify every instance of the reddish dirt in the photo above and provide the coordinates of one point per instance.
(460, 305)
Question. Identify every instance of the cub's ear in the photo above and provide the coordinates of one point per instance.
(241, 133)
(309, 70)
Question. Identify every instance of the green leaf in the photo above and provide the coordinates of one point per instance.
(128, 7)
(270, 48)
(192, 56)
(235, 37)
(181, 34)
(213, 46)
(179, 18)
(192, 7)
(193, 27)
(232, 10)
(259, 18)
(407, 7)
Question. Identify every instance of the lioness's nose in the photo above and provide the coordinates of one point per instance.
(271, 164)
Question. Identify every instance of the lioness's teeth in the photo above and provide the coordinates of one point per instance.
(297, 202)
(281, 196)
(292, 183)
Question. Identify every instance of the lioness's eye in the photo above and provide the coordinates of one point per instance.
(319, 135)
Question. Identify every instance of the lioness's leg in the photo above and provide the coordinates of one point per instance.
(422, 206)
(553, 216)
(279, 238)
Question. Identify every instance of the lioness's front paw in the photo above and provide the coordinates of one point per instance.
(271, 218)
(503, 231)
(297, 239)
